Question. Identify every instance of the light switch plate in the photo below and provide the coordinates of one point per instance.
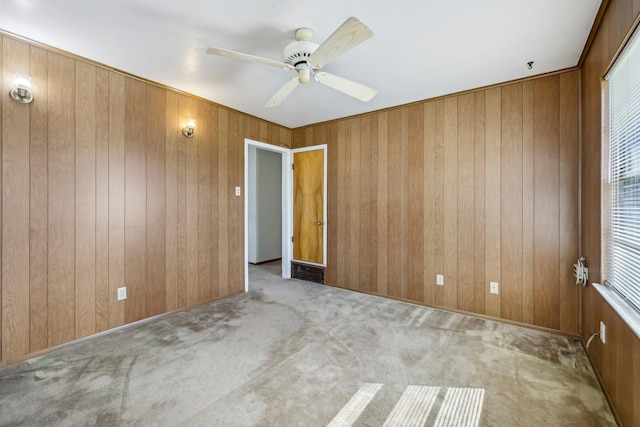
(122, 293)
(439, 280)
(237, 191)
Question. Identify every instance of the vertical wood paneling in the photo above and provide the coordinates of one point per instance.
(620, 16)
(85, 192)
(511, 204)
(527, 202)
(633, 343)
(382, 213)
(623, 360)
(191, 218)
(156, 214)
(365, 204)
(236, 237)
(61, 249)
(479, 201)
(116, 196)
(102, 200)
(344, 228)
(98, 189)
(608, 356)
(394, 205)
(471, 159)
(450, 237)
(264, 131)
(38, 202)
(2, 100)
(223, 203)
(254, 128)
(404, 252)
(466, 203)
(415, 195)
(354, 211)
(591, 151)
(204, 202)
(331, 272)
(439, 200)
(429, 202)
(171, 200)
(135, 189)
(215, 241)
(546, 198)
(568, 189)
(15, 209)
(493, 146)
(373, 206)
(181, 188)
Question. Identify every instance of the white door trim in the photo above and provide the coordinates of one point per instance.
(287, 206)
(324, 201)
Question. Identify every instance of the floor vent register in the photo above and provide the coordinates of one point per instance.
(310, 273)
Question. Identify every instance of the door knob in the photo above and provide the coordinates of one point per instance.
(319, 223)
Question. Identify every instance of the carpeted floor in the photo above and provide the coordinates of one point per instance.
(291, 353)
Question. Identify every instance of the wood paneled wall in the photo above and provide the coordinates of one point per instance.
(100, 190)
(479, 187)
(618, 361)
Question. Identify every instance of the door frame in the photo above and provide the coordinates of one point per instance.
(322, 147)
(287, 222)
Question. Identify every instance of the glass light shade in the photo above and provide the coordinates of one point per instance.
(22, 81)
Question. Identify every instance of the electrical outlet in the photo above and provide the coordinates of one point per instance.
(603, 332)
(122, 293)
(493, 288)
(237, 191)
(439, 280)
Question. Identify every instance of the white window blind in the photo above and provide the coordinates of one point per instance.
(621, 175)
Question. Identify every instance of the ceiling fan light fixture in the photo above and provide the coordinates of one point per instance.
(307, 58)
(304, 75)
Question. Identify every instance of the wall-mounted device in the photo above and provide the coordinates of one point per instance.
(581, 272)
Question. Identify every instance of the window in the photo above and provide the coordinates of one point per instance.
(621, 175)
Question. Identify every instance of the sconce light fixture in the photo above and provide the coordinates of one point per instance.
(189, 129)
(21, 91)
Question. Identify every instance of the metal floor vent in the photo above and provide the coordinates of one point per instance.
(310, 273)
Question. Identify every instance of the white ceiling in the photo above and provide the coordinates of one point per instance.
(420, 48)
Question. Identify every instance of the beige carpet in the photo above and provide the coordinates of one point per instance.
(291, 353)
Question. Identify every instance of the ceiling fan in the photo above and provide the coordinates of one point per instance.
(307, 58)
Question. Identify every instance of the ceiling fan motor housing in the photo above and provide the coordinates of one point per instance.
(298, 51)
(297, 55)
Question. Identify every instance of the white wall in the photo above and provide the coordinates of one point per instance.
(265, 205)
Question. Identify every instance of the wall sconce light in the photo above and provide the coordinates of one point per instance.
(189, 129)
(21, 91)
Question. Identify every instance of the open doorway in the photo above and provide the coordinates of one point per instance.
(267, 216)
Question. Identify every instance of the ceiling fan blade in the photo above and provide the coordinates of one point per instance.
(283, 93)
(357, 90)
(245, 57)
(350, 34)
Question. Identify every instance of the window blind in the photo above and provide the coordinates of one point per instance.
(621, 175)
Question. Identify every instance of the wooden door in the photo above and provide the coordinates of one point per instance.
(308, 206)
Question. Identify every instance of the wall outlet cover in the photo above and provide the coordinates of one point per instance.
(494, 288)
(122, 293)
(439, 280)
(603, 332)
